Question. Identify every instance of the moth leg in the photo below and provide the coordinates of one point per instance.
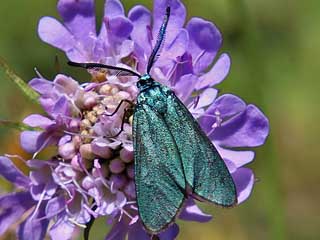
(118, 107)
(126, 115)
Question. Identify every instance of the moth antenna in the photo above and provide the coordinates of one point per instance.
(99, 65)
(160, 41)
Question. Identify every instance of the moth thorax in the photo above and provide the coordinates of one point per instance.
(154, 97)
(144, 82)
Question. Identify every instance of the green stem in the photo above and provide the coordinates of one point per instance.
(26, 89)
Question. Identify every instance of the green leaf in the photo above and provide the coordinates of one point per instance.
(26, 89)
(18, 126)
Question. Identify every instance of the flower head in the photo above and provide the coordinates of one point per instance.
(92, 175)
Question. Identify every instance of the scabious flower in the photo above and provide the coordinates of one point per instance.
(91, 175)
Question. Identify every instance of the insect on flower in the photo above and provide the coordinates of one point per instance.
(173, 157)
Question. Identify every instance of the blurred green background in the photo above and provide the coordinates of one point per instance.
(275, 49)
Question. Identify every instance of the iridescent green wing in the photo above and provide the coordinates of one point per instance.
(204, 169)
(159, 178)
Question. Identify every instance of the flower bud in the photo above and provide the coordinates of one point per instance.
(123, 95)
(79, 98)
(118, 180)
(130, 189)
(88, 183)
(126, 155)
(114, 90)
(105, 89)
(100, 170)
(75, 162)
(86, 151)
(101, 149)
(92, 117)
(130, 171)
(116, 165)
(67, 151)
(76, 141)
(74, 125)
(85, 123)
(90, 100)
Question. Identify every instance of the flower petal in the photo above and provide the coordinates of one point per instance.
(47, 103)
(37, 164)
(136, 231)
(67, 85)
(226, 106)
(55, 206)
(54, 33)
(207, 97)
(170, 233)
(61, 107)
(32, 227)
(244, 180)
(118, 231)
(79, 18)
(62, 230)
(177, 47)
(238, 158)
(205, 42)
(10, 172)
(183, 67)
(101, 148)
(141, 35)
(42, 86)
(141, 20)
(217, 73)
(177, 18)
(126, 48)
(37, 120)
(230, 165)
(191, 212)
(113, 8)
(172, 52)
(248, 129)
(185, 86)
(119, 27)
(29, 140)
(13, 206)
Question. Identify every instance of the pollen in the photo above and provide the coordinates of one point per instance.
(99, 75)
(85, 124)
(105, 89)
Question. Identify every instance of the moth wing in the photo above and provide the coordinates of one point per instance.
(204, 169)
(159, 178)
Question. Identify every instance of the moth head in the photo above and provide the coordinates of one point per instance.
(145, 81)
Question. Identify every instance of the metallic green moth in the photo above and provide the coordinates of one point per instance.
(173, 156)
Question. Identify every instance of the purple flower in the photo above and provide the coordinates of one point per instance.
(91, 174)
(78, 36)
(14, 205)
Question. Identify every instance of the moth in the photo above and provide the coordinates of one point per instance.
(173, 157)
